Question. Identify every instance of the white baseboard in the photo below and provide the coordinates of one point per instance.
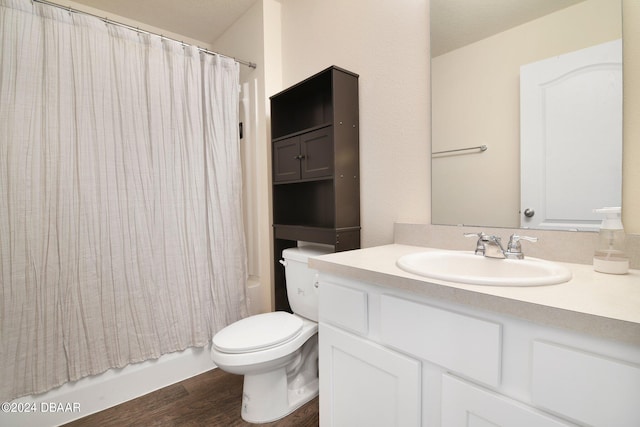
(93, 394)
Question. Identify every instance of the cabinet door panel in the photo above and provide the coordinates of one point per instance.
(587, 387)
(467, 405)
(460, 343)
(364, 384)
(316, 149)
(286, 159)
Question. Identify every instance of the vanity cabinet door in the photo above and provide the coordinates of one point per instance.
(591, 388)
(365, 384)
(467, 405)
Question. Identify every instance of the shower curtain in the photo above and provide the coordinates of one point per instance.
(121, 234)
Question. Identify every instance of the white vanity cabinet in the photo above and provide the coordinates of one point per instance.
(364, 383)
(389, 357)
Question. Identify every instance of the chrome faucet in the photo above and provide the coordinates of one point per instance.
(490, 246)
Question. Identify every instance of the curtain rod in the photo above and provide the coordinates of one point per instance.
(120, 24)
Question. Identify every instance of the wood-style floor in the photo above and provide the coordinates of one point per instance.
(209, 399)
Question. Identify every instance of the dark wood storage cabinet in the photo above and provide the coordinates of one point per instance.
(315, 161)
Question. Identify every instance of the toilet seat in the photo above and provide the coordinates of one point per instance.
(259, 332)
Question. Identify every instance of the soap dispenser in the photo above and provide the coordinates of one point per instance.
(610, 256)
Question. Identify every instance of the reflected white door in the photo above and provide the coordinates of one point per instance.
(571, 137)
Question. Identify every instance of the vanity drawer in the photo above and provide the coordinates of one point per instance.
(587, 387)
(343, 306)
(460, 343)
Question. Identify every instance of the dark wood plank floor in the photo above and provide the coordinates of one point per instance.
(209, 399)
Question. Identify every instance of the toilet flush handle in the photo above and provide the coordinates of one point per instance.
(283, 262)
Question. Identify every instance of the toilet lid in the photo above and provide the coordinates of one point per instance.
(258, 332)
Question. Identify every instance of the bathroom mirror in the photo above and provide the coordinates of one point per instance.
(482, 112)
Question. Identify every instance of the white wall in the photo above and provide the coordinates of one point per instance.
(387, 44)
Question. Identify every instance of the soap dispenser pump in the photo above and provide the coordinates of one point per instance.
(610, 256)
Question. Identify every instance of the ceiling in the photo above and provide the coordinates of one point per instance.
(454, 23)
(202, 20)
(457, 23)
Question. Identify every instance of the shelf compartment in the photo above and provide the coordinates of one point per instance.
(306, 105)
(305, 203)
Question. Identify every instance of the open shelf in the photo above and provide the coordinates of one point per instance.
(307, 105)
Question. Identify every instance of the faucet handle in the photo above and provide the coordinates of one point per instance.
(514, 248)
(480, 234)
(516, 238)
(482, 237)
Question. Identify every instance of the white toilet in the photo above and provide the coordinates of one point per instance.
(277, 352)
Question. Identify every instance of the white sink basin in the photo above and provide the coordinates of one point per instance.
(467, 267)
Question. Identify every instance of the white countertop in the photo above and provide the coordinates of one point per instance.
(603, 305)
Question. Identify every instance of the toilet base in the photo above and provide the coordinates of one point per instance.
(269, 396)
(266, 399)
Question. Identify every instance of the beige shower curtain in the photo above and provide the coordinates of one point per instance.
(121, 233)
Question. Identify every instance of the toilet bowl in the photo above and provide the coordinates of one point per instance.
(277, 352)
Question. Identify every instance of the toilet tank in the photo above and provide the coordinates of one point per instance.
(301, 280)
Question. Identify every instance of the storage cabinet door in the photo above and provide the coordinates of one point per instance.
(467, 405)
(365, 384)
(316, 149)
(591, 388)
(286, 159)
